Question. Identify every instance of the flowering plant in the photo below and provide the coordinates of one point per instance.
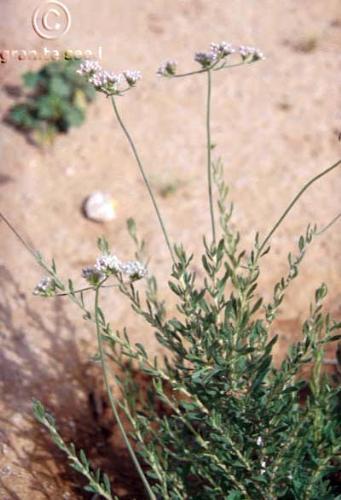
(218, 420)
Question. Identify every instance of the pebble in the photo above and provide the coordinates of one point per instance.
(100, 207)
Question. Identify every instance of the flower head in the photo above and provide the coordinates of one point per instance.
(250, 54)
(108, 264)
(206, 58)
(134, 270)
(93, 275)
(89, 67)
(222, 49)
(132, 77)
(168, 68)
(46, 287)
(106, 81)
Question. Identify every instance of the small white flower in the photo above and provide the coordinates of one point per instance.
(132, 77)
(168, 68)
(260, 441)
(93, 275)
(107, 81)
(222, 49)
(87, 67)
(113, 78)
(108, 264)
(263, 466)
(259, 55)
(134, 270)
(46, 287)
(250, 53)
(206, 58)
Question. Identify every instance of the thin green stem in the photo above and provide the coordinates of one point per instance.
(137, 158)
(329, 225)
(294, 201)
(36, 255)
(209, 148)
(20, 238)
(228, 66)
(112, 399)
(81, 290)
(190, 73)
(206, 70)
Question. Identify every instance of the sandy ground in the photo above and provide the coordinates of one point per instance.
(276, 124)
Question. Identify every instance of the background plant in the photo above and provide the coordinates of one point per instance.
(56, 100)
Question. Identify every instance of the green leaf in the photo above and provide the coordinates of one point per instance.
(234, 495)
(31, 79)
(103, 245)
(107, 483)
(48, 107)
(261, 373)
(83, 459)
(90, 489)
(38, 410)
(73, 117)
(321, 293)
(22, 116)
(60, 87)
(131, 224)
(175, 289)
(141, 348)
(256, 306)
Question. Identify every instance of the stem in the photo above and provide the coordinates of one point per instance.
(297, 197)
(209, 147)
(113, 402)
(190, 73)
(137, 158)
(329, 225)
(75, 460)
(20, 238)
(81, 290)
(213, 67)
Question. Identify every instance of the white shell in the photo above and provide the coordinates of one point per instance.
(100, 207)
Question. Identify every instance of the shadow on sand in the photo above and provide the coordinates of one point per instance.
(43, 360)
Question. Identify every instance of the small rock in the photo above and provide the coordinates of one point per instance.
(100, 207)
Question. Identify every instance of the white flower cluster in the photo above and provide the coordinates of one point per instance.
(251, 53)
(222, 49)
(134, 270)
(107, 265)
(132, 77)
(107, 81)
(93, 275)
(219, 51)
(168, 68)
(206, 58)
(46, 287)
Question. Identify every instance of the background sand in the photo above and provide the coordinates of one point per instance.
(276, 124)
